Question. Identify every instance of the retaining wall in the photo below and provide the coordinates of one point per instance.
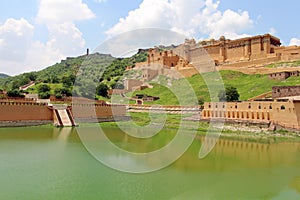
(18, 111)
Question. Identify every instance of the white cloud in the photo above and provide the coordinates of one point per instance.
(58, 11)
(295, 41)
(15, 37)
(19, 52)
(65, 38)
(194, 18)
(60, 17)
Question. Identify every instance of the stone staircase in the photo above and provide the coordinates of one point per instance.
(63, 116)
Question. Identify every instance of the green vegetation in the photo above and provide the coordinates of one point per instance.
(96, 72)
(14, 93)
(247, 86)
(44, 91)
(229, 94)
(86, 70)
(101, 90)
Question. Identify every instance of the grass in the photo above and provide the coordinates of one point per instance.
(34, 89)
(247, 85)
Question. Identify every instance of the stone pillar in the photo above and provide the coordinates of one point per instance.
(222, 57)
(187, 55)
(247, 50)
(267, 45)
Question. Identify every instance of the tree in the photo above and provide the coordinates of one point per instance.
(102, 90)
(230, 94)
(14, 93)
(44, 95)
(68, 81)
(59, 92)
(43, 88)
(44, 91)
(32, 76)
(200, 101)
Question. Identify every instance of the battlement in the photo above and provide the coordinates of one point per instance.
(239, 55)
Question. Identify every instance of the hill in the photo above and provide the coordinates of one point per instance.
(85, 69)
(95, 68)
(247, 85)
(4, 75)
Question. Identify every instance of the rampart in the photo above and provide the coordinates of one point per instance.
(21, 112)
(286, 114)
(97, 111)
(18, 111)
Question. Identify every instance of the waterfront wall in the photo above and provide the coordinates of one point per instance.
(286, 114)
(24, 111)
(99, 111)
(31, 112)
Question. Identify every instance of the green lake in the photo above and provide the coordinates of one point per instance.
(52, 163)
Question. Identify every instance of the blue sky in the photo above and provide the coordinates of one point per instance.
(37, 33)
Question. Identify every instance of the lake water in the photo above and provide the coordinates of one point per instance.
(52, 163)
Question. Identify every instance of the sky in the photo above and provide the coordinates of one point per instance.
(35, 34)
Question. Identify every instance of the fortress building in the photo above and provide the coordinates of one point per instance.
(248, 55)
(246, 52)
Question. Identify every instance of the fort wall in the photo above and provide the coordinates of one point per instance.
(36, 113)
(16, 111)
(285, 91)
(98, 111)
(282, 113)
(249, 55)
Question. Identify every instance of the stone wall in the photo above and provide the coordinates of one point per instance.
(286, 114)
(283, 75)
(29, 113)
(132, 83)
(97, 111)
(18, 111)
(285, 91)
(149, 74)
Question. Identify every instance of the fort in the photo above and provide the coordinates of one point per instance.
(249, 55)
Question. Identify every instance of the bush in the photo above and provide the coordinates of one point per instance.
(15, 93)
(43, 88)
(44, 95)
(230, 94)
(200, 101)
(102, 90)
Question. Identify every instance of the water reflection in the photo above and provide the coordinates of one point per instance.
(48, 162)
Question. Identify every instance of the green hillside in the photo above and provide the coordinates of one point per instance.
(86, 70)
(247, 85)
(3, 75)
